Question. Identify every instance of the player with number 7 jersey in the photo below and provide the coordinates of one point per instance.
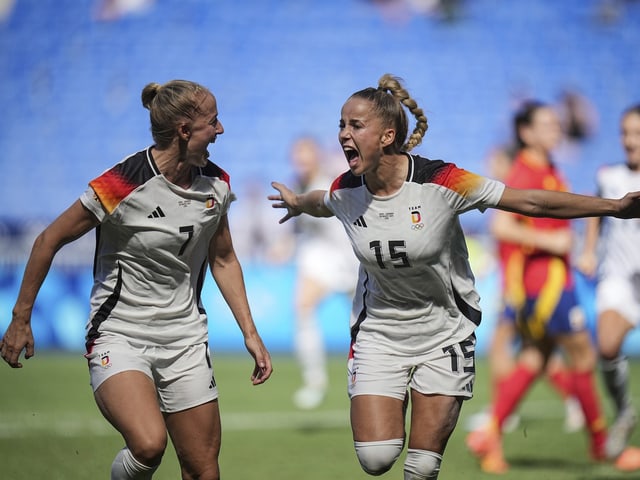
(151, 252)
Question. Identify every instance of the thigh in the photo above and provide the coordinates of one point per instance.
(196, 436)
(501, 354)
(612, 330)
(126, 393)
(377, 417)
(433, 419)
(581, 353)
(377, 387)
(129, 402)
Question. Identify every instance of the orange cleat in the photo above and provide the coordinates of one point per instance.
(482, 441)
(494, 462)
(628, 460)
(487, 446)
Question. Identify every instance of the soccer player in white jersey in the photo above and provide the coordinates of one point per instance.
(160, 216)
(615, 244)
(325, 265)
(415, 309)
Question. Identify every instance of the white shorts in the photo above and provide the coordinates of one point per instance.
(621, 295)
(334, 270)
(445, 371)
(183, 376)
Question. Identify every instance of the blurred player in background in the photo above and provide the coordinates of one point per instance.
(511, 255)
(617, 246)
(325, 265)
(161, 219)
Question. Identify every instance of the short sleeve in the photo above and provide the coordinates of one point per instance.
(90, 201)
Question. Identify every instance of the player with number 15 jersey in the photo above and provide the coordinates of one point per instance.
(414, 271)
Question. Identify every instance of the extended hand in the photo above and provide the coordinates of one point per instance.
(630, 206)
(286, 199)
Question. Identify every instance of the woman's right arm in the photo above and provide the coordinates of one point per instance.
(311, 203)
(70, 225)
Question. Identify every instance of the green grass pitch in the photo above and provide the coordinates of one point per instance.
(50, 428)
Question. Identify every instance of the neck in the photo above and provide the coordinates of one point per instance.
(537, 156)
(172, 168)
(389, 176)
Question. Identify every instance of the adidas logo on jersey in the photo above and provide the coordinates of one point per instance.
(360, 222)
(157, 213)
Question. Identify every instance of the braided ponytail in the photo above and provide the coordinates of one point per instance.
(393, 85)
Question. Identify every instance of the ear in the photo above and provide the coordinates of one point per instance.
(388, 137)
(184, 132)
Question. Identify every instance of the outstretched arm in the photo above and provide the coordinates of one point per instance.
(553, 204)
(72, 224)
(311, 203)
(227, 272)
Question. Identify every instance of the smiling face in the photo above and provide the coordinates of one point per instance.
(201, 131)
(630, 138)
(362, 135)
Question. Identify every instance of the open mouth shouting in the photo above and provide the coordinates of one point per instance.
(352, 155)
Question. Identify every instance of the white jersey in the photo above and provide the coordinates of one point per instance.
(415, 288)
(323, 252)
(619, 239)
(151, 251)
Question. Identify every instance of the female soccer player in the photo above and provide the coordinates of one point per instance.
(160, 216)
(618, 290)
(540, 298)
(415, 309)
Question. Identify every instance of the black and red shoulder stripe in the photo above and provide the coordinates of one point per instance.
(112, 186)
(213, 170)
(346, 180)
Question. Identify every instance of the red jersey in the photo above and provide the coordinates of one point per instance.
(541, 269)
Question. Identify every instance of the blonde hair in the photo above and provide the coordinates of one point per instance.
(389, 101)
(169, 105)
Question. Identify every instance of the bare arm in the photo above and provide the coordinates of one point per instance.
(506, 227)
(227, 272)
(549, 203)
(70, 225)
(311, 203)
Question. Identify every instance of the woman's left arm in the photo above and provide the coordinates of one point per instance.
(227, 273)
(553, 204)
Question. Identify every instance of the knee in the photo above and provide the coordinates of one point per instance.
(608, 348)
(212, 473)
(421, 465)
(149, 449)
(377, 458)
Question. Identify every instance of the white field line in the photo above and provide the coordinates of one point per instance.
(68, 425)
(29, 424)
